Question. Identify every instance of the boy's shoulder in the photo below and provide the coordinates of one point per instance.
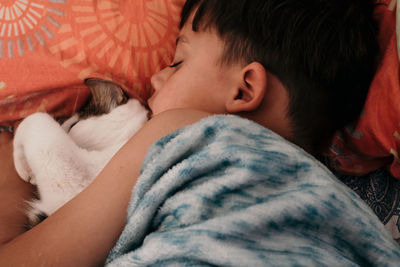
(169, 121)
(176, 118)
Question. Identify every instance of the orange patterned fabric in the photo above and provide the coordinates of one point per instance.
(375, 141)
(47, 48)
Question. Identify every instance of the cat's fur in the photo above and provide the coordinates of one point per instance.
(61, 160)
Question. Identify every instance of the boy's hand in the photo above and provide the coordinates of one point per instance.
(13, 192)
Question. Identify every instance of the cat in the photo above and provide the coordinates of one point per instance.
(63, 159)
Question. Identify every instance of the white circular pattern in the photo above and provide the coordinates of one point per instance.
(24, 24)
(19, 17)
(12, 10)
(16, 10)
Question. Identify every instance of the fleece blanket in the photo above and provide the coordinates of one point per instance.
(228, 192)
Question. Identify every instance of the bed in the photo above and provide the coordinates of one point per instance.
(47, 49)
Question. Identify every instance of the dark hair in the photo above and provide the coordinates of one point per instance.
(323, 51)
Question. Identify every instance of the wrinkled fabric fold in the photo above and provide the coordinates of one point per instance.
(228, 192)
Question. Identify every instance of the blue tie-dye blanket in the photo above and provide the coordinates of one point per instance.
(228, 192)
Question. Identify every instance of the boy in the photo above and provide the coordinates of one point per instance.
(256, 59)
(317, 57)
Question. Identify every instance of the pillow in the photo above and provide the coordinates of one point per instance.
(374, 141)
(47, 48)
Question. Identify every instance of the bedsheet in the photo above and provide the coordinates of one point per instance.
(228, 192)
(381, 191)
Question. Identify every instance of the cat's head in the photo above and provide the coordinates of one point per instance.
(106, 96)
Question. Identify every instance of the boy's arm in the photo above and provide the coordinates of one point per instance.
(13, 193)
(83, 231)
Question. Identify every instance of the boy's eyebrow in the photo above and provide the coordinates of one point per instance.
(182, 39)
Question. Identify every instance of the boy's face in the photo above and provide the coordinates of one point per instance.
(196, 79)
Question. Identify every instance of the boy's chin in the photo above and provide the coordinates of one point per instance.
(154, 112)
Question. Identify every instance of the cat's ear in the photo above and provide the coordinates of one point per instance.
(106, 95)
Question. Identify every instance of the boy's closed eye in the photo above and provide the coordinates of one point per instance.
(176, 64)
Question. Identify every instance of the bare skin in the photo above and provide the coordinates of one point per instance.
(13, 193)
(83, 231)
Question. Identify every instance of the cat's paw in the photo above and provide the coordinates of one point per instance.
(20, 160)
(22, 167)
(67, 125)
(28, 134)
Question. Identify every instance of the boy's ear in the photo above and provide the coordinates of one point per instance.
(250, 91)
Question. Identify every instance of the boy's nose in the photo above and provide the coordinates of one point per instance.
(159, 78)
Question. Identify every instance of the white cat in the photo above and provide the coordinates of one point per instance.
(61, 160)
